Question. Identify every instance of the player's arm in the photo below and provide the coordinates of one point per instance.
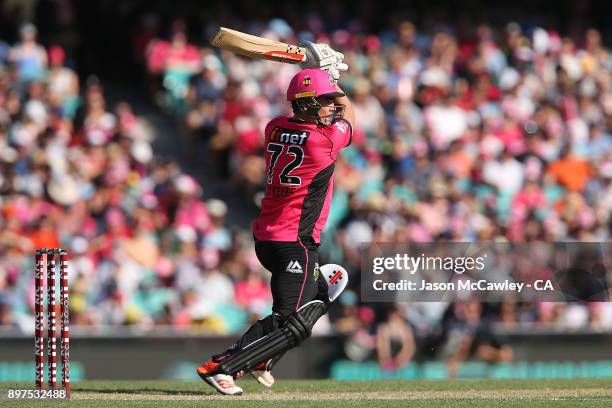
(349, 114)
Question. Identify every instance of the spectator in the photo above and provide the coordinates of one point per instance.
(395, 344)
(181, 61)
(570, 171)
(63, 83)
(469, 334)
(29, 56)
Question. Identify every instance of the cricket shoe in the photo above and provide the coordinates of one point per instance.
(223, 383)
(263, 375)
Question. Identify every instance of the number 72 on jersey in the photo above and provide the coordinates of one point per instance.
(285, 176)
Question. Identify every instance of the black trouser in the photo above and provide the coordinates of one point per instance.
(293, 284)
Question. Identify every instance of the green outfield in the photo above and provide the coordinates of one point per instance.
(329, 393)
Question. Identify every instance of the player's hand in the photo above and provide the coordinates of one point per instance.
(318, 55)
(334, 69)
(324, 57)
(333, 72)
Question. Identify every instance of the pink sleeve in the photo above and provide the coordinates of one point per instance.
(341, 134)
(268, 129)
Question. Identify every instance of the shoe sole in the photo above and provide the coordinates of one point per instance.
(208, 379)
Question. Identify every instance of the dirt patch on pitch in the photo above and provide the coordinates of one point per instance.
(314, 396)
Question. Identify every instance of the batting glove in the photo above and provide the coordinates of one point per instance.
(324, 57)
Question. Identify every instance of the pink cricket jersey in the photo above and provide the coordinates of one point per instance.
(300, 161)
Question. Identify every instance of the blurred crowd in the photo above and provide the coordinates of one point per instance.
(145, 247)
(479, 133)
(462, 134)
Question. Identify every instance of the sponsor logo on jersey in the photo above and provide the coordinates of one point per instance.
(289, 136)
(342, 125)
(294, 267)
(317, 271)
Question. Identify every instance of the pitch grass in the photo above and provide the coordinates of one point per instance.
(333, 394)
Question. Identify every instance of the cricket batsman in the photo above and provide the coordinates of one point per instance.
(300, 154)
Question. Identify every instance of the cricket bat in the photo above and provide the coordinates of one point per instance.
(258, 47)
